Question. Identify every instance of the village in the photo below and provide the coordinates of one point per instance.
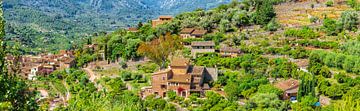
(219, 59)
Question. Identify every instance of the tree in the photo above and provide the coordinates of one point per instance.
(307, 85)
(349, 20)
(264, 12)
(14, 94)
(329, 26)
(160, 49)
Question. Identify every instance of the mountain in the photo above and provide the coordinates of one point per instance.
(40, 23)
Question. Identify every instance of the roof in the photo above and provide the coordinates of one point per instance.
(202, 43)
(162, 72)
(229, 49)
(180, 62)
(288, 84)
(132, 29)
(199, 32)
(196, 70)
(183, 78)
(187, 30)
(166, 16)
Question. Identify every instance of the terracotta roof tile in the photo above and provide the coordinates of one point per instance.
(288, 84)
(183, 78)
(180, 62)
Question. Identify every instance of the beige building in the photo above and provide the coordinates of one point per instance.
(182, 78)
(202, 47)
(161, 20)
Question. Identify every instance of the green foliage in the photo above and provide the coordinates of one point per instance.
(349, 20)
(237, 88)
(272, 26)
(306, 104)
(307, 86)
(148, 67)
(304, 33)
(268, 88)
(351, 48)
(158, 104)
(330, 26)
(350, 63)
(264, 12)
(215, 102)
(329, 3)
(265, 101)
(354, 4)
(171, 95)
(318, 44)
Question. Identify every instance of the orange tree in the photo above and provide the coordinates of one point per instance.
(160, 49)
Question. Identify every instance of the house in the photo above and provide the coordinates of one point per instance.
(186, 33)
(290, 88)
(198, 33)
(161, 20)
(182, 78)
(133, 29)
(226, 51)
(202, 47)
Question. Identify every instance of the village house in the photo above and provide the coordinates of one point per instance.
(42, 65)
(198, 33)
(133, 29)
(192, 33)
(226, 51)
(290, 88)
(182, 78)
(161, 20)
(186, 33)
(202, 47)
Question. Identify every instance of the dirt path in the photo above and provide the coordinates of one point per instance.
(91, 74)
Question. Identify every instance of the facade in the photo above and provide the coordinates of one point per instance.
(202, 47)
(229, 51)
(161, 20)
(290, 88)
(182, 78)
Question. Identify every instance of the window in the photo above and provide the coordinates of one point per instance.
(163, 78)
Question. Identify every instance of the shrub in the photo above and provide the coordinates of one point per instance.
(304, 33)
(329, 3)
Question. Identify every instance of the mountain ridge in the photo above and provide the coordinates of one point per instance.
(69, 19)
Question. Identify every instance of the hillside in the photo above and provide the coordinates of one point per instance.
(63, 22)
(251, 55)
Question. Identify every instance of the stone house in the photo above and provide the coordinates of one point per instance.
(182, 78)
(198, 33)
(290, 88)
(186, 33)
(161, 20)
(202, 47)
(226, 51)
